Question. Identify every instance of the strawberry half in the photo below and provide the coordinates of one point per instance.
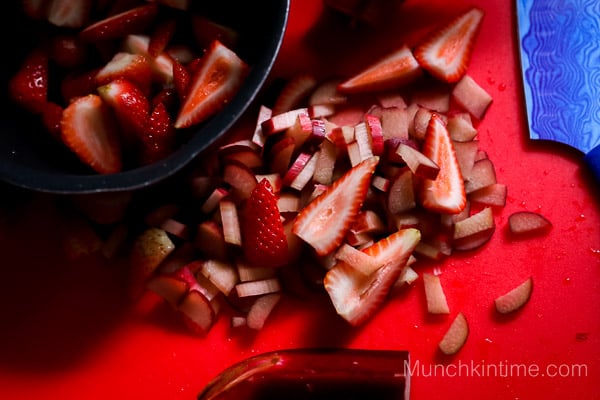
(130, 104)
(88, 130)
(263, 235)
(398, 68)
(159, 140)
(445, 193)
(29, 86)
(325, 221)
(355, 296)
(446, 52)
(120, 25)
(214, 84)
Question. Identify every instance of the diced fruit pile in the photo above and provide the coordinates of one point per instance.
(118, 82)
(350, 184)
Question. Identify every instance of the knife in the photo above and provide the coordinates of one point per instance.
(559, 43)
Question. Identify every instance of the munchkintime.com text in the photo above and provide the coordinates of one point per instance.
(499, 369)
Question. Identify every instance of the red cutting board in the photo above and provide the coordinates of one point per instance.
(68, 332)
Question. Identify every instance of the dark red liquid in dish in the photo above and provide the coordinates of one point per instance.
(314, 375)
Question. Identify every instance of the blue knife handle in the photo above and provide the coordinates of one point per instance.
(592, 159)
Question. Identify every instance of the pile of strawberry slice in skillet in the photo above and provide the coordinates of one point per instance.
(351, 201)
(118, 82)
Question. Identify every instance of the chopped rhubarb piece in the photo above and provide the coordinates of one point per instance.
(401, 194)
(280, 155)
(326, 93)
(301, 130)
(514, 298)
(230, 222)
(434, 293)
(461, 127)
(261, 309)
(258, 287)
(281, 122)
(394, 123)
(420, 165)
(456, 335)
(197, 312)
(466, 153)
(471, 97)
(213, 200)
(357, 259)
(364, 141)
(258, 137)
(210, 240)
(482, 174)
(222, 274)
(295, 92)
(241, 178)
(491, 195)
(474, 231)
(326, 159)
(528, 223)
(249, 273)
(300, 164)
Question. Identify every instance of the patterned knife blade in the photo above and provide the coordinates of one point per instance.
(559, 44)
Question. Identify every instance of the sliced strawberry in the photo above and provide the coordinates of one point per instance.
(213, 86)
(263, 236)
(159, 140)
(396, 69)
(67, 50)
(69, 13)
(29, 86)
(136, 68)
(130, 104)
(181, 79)
(446, 52)
(51, 117)
(445, 193)
(88, 130)
(355, 296)
(326, 220)
(161, 36)
(118, 26)
(77, 84)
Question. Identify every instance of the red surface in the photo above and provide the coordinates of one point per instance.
(67, 331)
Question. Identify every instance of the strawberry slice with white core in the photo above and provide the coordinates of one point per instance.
(456, 335)
(215, 83)
(397, 69)
(445, 193)
(356, 296)
(446, 53)
(514, 298)
(326, 220)
(88, 129)
(130, 105)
